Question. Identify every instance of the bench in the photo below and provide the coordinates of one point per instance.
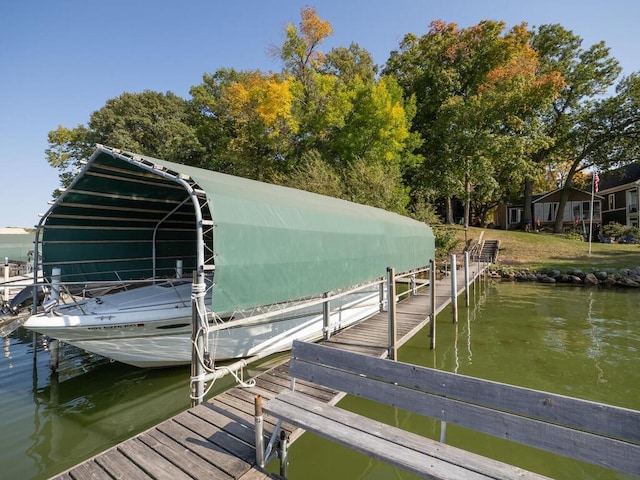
(589, 431)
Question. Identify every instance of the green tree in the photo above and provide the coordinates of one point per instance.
(580, 122)
(347, 115)
(151, 123)
(476, 91)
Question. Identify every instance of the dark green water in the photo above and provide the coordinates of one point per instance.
(51, 422)
(573, 341)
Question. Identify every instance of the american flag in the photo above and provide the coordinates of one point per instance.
(596, 181)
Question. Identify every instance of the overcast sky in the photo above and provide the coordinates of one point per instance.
(60, 61)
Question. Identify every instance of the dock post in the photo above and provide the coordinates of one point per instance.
(54, 356)
(326, 317)
(432, 293)
(466, 278)
(391, 300)
(178, 268)
(5, 293)
(382, 296)
(259, 431)
(283, 453)
(197, 369)
(454, 288)
(56, 272)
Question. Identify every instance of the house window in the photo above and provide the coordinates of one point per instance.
(596, 210)
(515, 214)
(586, 210)
(632, 201)
(612, 201)
(546, 212)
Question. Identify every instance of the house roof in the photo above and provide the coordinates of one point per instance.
(551, 196)
(620, 176)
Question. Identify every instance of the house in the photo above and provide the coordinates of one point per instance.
(577, 211)
(619, 189)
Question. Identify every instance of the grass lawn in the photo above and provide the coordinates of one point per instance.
(539, 251)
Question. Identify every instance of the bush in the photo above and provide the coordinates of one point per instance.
(623, 233)
(574, 236)
(446, 241)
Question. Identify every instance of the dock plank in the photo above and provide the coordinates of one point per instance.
(90, 470)
(151, 461)
(223, 464)
(119, 466)
(194, 465)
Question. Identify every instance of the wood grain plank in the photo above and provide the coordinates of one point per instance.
(206, 449)
(348, 374)
(151, 462)
(374, 440)
(119, 466)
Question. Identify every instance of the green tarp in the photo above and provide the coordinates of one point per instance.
(270, 244)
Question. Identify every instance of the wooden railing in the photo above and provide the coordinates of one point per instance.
(589, 431)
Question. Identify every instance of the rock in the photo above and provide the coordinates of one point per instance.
(575, 280)
(546, 279)
(590, 279)
(554, 273)
(601, 275)
(564, 278)
(627, 282)
(577, 273)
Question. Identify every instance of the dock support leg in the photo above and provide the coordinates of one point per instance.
(197, 339)
(466, 278)
(5, 270)
(259, 431)
(283, 453)
(454, 288)
(326, 317)
(391, 300)
(432, 313)
(54, 357)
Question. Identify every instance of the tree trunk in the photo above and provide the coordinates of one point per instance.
(528, 199)
(564, 197)
(449, 209)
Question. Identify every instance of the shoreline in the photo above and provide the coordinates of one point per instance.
(606, 277)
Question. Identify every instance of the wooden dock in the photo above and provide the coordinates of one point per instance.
(215, 440)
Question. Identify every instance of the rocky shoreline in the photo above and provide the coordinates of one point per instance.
(607, 277)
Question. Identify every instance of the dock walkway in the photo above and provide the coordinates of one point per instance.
(215, 440)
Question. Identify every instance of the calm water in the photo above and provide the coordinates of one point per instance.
(52, 422)
(573, 341)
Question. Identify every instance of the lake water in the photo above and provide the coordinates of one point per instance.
(569, 340)
(572, 341)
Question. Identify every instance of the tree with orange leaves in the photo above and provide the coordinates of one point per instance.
(478, 90)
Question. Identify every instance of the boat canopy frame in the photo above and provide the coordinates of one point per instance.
(131, 217)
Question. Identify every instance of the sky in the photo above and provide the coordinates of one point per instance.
(61, 61)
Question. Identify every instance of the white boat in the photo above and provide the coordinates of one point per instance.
(151, 326)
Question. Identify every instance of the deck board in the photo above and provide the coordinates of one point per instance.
(215, 440)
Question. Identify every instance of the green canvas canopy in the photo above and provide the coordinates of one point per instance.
(127, 216)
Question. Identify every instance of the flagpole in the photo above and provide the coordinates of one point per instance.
(593, 188)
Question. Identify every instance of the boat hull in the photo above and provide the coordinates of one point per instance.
(132, 337)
